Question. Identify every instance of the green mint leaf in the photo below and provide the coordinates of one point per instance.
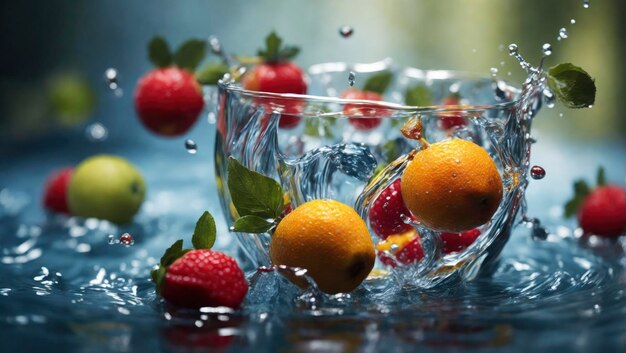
(252, 224)
(581, 190)
(601, 177)
(190, 54)
(418, 96)
(274, 51)
(319, 127)
(158, 277)
(252, 193)
(159, 52)
(572, 85)
(204, 234)
(211, 73)
(379, 82)
(172, 253)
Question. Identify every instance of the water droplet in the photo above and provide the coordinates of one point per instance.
(111, 239)
(474, 51)
(494, 71)
(346, 31)
(586, 4)
(110, 77)
(537, 172)
(127, 239)
(572, 21)
(191, 147)
(562, 33)
(512, 49)
(560, 115)
(351, 78)
(211, 118)
(509, 73)
(549, 98)
(502, 63)
(215, 45)
(96, 132)
(547, 49)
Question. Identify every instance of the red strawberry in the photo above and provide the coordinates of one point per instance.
(204, 278)
(362, 109)
(603, 212)
(450, 120)
(457, 242)
(409, 249)
(388, 212)
(55, 194)
(168, 100)
(278, 75)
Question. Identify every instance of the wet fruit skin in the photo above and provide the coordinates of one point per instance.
(205, 278)
(457, 242)
(329, 240)
(452, 186)
(451, 120)
(603, 212)
(388, 212)
(364, 123)
(409, 249)
(279, 77)
(55, 193)
(168, 101)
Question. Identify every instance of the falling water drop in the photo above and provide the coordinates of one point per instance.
(346, 31)
(127, 239)
(586, 4)
(215, 45)
(537, 172)
(351, 78)
(111, 239)
(562, 33)
(512, 49)
(494, 71)
(549, 98)
(96, 132)
(572, 21)
(110, 78)
(191, 146)
(547, 49)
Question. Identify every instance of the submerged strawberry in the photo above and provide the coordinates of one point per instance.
(405, 247)
(276, 74)
(451, 120)
(200, 277)
(388, 213)
(367, 116)
(457, 242)
(55, 193)
(601, 211)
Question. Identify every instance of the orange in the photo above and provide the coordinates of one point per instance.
(330, 240)
(452, 186)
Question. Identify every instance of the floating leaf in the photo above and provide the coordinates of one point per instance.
(211, 73)
(252, 224)
(159, 52)
(204, 233)
(378, 82)
(418, 96)
(190, 54)
(572, 85)
(252, 193)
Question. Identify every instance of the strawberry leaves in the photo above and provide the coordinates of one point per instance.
(379, 82)
(159, 52)
(274, 51)
(581, 190)
(211, 73)
(203, 238)
(572, 85)
(257, 198)
(418, 96)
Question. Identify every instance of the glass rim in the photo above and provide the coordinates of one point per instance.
(230, 85)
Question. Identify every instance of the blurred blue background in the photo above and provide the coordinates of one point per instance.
(43, 39)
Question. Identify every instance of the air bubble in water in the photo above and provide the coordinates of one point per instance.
(96, 132)
(512, 49)
(537, 172)
(215, 45)
(191, 146)
(351, 78)
(110, 77)
(586, 4)
(562, 33)
(127, 239)
(346, 31)
(494, 71)
(547, 49)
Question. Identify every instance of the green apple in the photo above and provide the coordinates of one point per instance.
(107, 187)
